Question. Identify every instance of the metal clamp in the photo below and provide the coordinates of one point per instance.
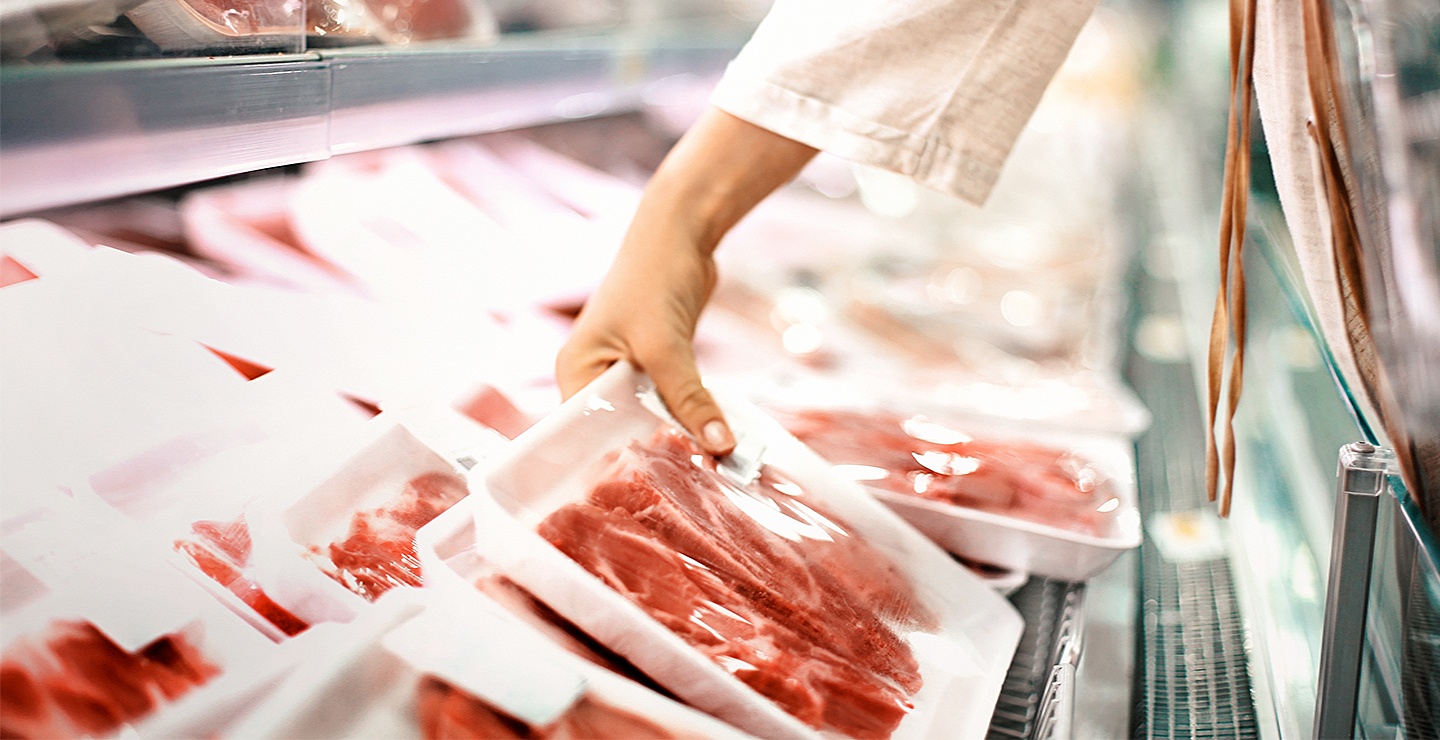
(1362, 476)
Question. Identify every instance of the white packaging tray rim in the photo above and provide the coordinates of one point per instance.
(972, 647)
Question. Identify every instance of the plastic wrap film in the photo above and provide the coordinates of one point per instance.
(74, 681)
(445, 711)
(561, 631)
(221, 550)
(220, 25)
(920, 457)
(424, 20)
(760, 579)
(46, 30)
(378, 552)
(395, 22)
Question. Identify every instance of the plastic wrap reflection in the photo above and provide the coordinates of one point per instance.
(914, 456)
(761, 580)
(378, 552)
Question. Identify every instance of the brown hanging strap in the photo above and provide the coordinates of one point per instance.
(1228, 320)
(1330, 137)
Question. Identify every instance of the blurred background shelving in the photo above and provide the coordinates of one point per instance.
(84, 131)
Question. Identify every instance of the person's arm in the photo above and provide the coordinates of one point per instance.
(646, 309)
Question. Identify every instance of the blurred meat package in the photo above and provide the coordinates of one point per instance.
(920, 457)
(422, 663)
(221, 25)
(74, 681)
(1058, 503)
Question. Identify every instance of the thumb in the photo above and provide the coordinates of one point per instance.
(677, 380)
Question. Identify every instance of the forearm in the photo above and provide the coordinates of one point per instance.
(716, 174)
(646, 309)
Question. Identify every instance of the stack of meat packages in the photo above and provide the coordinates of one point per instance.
(240, 473)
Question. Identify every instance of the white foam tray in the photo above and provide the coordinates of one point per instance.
(450, 563)
(963, 662)
(359, 680)
(1011, 541)
(1025, 545)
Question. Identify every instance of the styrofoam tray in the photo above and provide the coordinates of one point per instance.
(1025, 545)
(133, 601)
(360, 679)
(450, 562)
(372, 478)
(1038, 548)
(962, 662)
(1004, 580)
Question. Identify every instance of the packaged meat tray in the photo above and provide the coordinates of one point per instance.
(335, 530)
(274, 590)
(791, 604)
(246, 228)
(359, 526)
(450, 560)
(1054, 503)
(433, 664)
(232, 26)
(112, 645)
(34, 247)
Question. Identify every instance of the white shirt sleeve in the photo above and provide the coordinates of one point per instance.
(934, 89)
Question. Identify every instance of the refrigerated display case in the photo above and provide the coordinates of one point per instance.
(1212, 626)
(1291, 642)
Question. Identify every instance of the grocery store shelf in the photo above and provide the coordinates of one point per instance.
(81, 132)
(75, 133)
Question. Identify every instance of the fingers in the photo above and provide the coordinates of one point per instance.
(677, 380)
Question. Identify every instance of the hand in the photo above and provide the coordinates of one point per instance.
(646, 309)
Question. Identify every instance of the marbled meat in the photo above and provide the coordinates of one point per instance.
(761, 580)
(378, 553)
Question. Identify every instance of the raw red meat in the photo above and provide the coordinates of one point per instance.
(561, 631)
(250, 369)
(761, 580)
(447, 712)
(378, 554)
(12, 272)
(495, 410)
(912, 456)
(221, 550)
(77, 682)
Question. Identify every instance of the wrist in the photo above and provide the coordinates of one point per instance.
(717, 173)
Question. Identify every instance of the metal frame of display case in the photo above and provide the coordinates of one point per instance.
(1380, 651)
(1364, 472)
(1380, 659)
(1361, 657)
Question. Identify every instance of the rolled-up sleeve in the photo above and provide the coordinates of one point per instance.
(934, 89)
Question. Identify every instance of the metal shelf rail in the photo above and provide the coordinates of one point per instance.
(73, 133)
